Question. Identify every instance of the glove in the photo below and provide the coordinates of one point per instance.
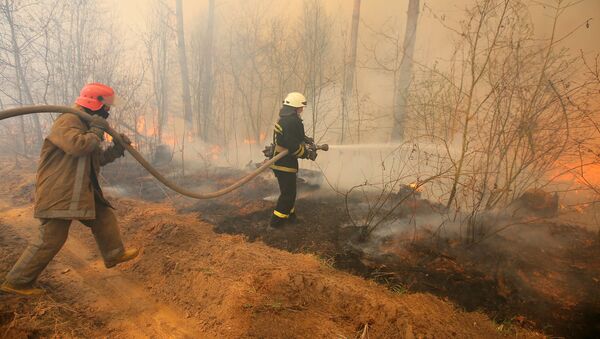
(311, 153)
(311, 148)
(269, 151)
(118, 149)
(98, 126)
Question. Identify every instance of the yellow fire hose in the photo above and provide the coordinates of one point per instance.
(15, 112)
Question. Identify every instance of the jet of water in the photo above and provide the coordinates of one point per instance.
(367, 146)
(430, 148)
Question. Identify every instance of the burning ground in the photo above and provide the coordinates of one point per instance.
(191, 281)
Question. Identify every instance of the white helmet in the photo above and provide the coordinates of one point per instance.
(295, 99)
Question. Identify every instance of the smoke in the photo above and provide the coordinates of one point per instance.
(380, 166)
(488, 228)
(375, 85)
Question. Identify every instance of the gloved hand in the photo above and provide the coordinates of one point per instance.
(120, 150)
(98, 126)
(311, 153)
(311, 148)
(269, 151)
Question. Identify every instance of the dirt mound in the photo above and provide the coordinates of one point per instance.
(252, 290)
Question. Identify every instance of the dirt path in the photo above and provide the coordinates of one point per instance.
(128, 309)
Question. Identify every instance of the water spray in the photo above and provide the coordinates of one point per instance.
(427, 147)
(364, 146)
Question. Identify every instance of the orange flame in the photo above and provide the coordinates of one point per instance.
(591, 173)
(261, 138)
(141, 123)
(415, 187)
(214, 151)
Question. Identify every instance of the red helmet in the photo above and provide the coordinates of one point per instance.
(95, 95)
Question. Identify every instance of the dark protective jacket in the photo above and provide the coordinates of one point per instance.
(289, 134)
(67, 185)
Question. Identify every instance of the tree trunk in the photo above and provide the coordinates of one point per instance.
(37, 128)
(349, 83)
(185, 79)
(25, 96)
(350, 67)
(207, 75)
(163, 83)
(405, 77)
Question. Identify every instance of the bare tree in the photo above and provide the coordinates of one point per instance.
(317, 72)
(258, 65)
(183, 66)
(207, 77)
(512, 101)
(505, 114)
(406, 66)
(350, 67)
(22, 87)
(157, 46)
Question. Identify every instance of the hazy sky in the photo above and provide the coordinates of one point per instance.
(375, 12)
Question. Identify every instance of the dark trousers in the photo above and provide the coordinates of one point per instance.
(287, 198)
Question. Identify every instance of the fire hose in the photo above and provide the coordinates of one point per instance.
(15, 112)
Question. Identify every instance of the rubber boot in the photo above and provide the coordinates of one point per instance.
(277, 222)
(129, 254)
(25, 291)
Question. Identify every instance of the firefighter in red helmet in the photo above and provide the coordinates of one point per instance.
(67, 189)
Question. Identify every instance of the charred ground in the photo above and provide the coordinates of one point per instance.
(543, 275)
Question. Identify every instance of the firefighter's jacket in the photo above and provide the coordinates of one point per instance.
(67, 185)
(289, 133)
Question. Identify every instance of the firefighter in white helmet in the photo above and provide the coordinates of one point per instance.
(289, 135)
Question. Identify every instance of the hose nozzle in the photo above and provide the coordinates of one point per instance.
(323, 147)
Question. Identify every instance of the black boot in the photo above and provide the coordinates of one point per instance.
(293, 219)
(277, 222)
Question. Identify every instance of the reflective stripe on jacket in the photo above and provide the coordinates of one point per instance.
(288, 133)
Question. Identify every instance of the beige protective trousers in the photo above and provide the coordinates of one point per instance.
(51, 237)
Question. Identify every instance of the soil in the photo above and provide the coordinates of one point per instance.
(544, 275)
(193, 282)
